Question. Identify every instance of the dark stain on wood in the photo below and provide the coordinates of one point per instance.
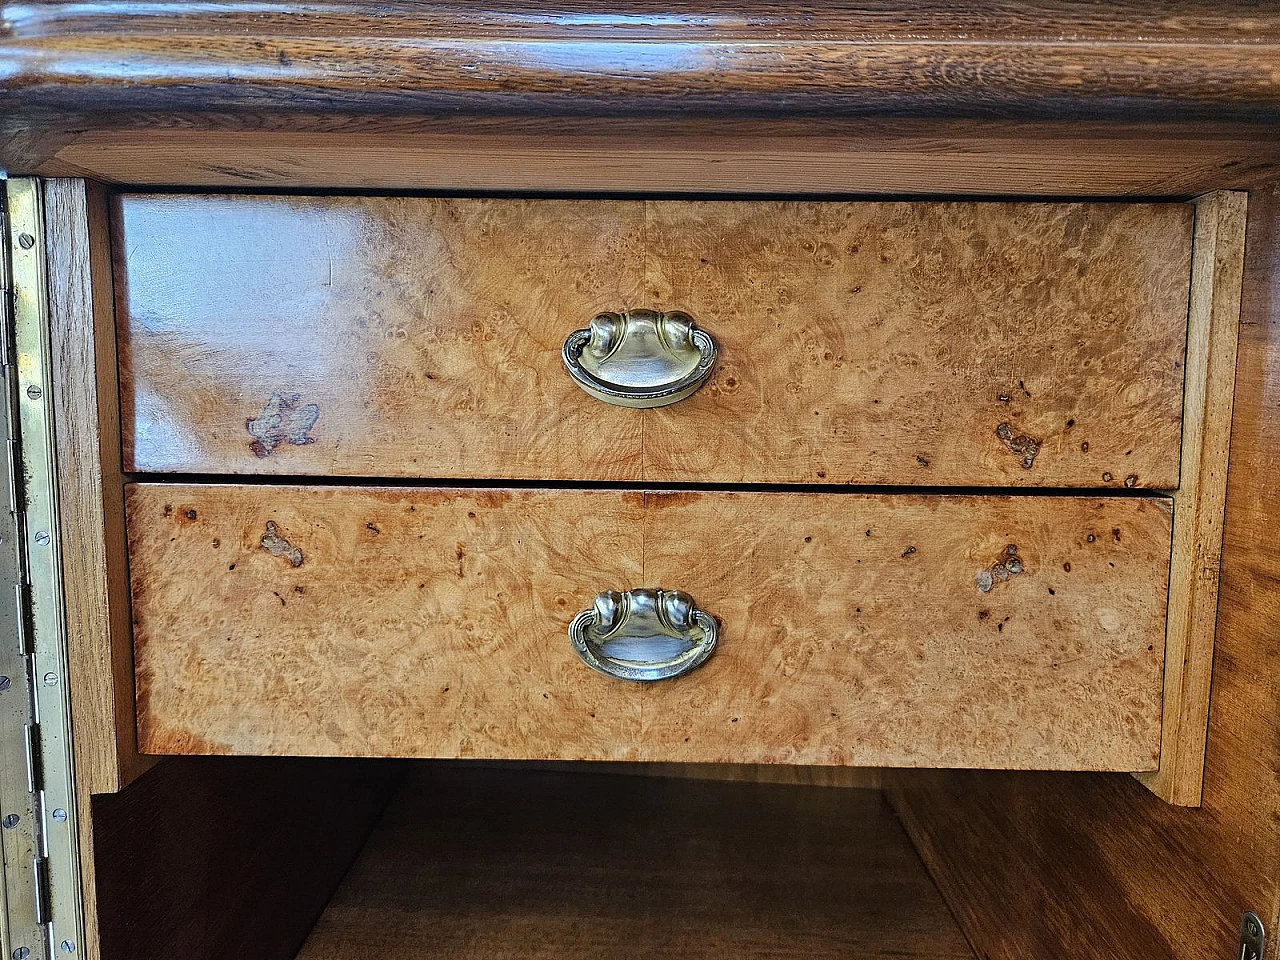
(276, 545)
(1009, 565)
(1024, 447)
(283, 420)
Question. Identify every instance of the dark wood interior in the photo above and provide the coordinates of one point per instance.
(469, 863)
(216, 857)
(208, 858)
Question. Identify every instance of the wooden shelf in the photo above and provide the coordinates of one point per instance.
(476, 862)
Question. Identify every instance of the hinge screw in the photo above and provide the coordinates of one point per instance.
(42, 538)
(50, 679)
(68, 946)
(60, 815)
(11, 821)
(26, 241)
(34, 391)
(21, 953)
(5, 684)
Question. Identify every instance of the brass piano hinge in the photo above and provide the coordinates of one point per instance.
(41, 910)
(43, 890)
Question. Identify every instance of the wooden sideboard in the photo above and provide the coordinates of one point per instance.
(979, 478)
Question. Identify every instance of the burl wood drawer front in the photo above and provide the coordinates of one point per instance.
(362, 621)
(874, 343)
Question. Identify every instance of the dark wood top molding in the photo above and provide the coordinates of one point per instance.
(1172, 60)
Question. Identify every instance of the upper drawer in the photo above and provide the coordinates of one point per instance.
(872, 343)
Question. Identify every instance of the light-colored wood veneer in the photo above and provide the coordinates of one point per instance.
(432, 623)
(983, 344)
(91, 508)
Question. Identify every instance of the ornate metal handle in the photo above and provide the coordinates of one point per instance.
(643, 634)
(640, 358)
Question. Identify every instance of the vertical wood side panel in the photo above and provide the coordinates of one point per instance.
(1200, 500)
(91, 494)
(90, 485)
(209, 859)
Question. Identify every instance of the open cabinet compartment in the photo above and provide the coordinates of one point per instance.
(318, 859)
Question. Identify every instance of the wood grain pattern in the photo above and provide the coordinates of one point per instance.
(495, 865)
(1130, 877)
(647, 97)
(1200, 500)
(205, 859)
(855, 778)
(1099, 864)
(429, 623)
(91, 509)
(1022, 21)
(859, 342)
(91, 488)
(669, 156)
(1180, 60)
(427, 333)
(904, 335)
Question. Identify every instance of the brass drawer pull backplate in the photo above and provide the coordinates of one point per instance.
(640, 358)
(643, 634)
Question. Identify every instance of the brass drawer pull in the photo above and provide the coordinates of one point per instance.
(640, 358)
(643, 634)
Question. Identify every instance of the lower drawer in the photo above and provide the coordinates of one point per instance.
(879, 630)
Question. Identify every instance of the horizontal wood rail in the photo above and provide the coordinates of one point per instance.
(1047, 58)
